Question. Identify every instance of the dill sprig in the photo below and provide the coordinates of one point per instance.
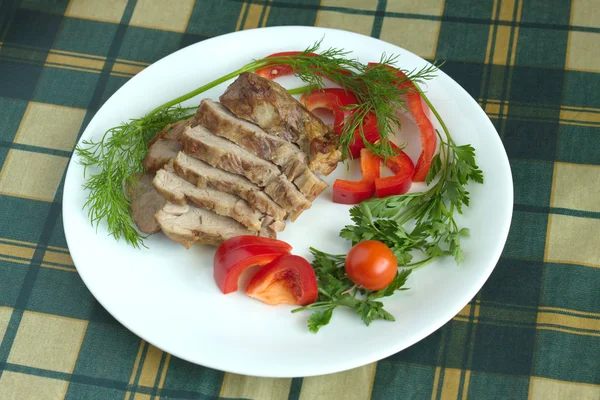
(113, 161)
(377, 88)
(117, 156)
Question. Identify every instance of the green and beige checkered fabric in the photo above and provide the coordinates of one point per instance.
(533, 331)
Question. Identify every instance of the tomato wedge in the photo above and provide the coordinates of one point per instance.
(353, 192)
(287, 280)
(236, 255)
(336, 100)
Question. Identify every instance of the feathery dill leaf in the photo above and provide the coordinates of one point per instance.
(117, 156)
(377, 88)
(114, 160)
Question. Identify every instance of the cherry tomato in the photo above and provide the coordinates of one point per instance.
(371, 264)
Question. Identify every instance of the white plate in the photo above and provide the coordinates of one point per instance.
(167, 295)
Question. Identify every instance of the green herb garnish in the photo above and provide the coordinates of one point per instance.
(435, 232)
(117, 156)
(337, 290)
(113, 162)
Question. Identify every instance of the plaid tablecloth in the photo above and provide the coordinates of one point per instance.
(533, 331)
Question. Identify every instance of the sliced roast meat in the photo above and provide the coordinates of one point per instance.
(160, 152)
(173, 131)
(203, 175)
(270, 225)
(292, 161)
(309, 184)
(189, 225)
(179, 191)
(221, 153)
(165, 145)
(145, 201)
(270, 106)
(219, 120)
(285, 194)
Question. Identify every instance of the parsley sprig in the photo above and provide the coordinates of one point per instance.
(417, 224)
(424, 222)
(337, 290)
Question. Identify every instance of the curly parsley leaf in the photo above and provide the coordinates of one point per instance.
(430, 214)
(337, 290)
(397, 284)
(319, 319)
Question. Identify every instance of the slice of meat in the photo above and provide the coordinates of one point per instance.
(270, 106)
(165, 145)
(189, 225)
(173, 131)
(221, 153)
(270, 224)
(292, 161)
(145, 201)
(285, 194)
(219, 120)
(161, 151)
(202, 175)
(179, 191)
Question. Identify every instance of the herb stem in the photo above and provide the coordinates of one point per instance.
(246, 68)
(349, 290)
(408, 214)
(418, 264)
(302, 89)
(433, 110)
(320, 304)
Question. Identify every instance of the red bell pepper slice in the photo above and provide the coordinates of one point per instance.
(428, 135)
(353, 192)
(247, 240)
(403, 169)
(229, 266)
(287, 280)
(370, 131)
(335, 100)
(277, 70)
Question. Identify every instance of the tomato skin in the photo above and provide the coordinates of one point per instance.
(247, 241)
(371, 264)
